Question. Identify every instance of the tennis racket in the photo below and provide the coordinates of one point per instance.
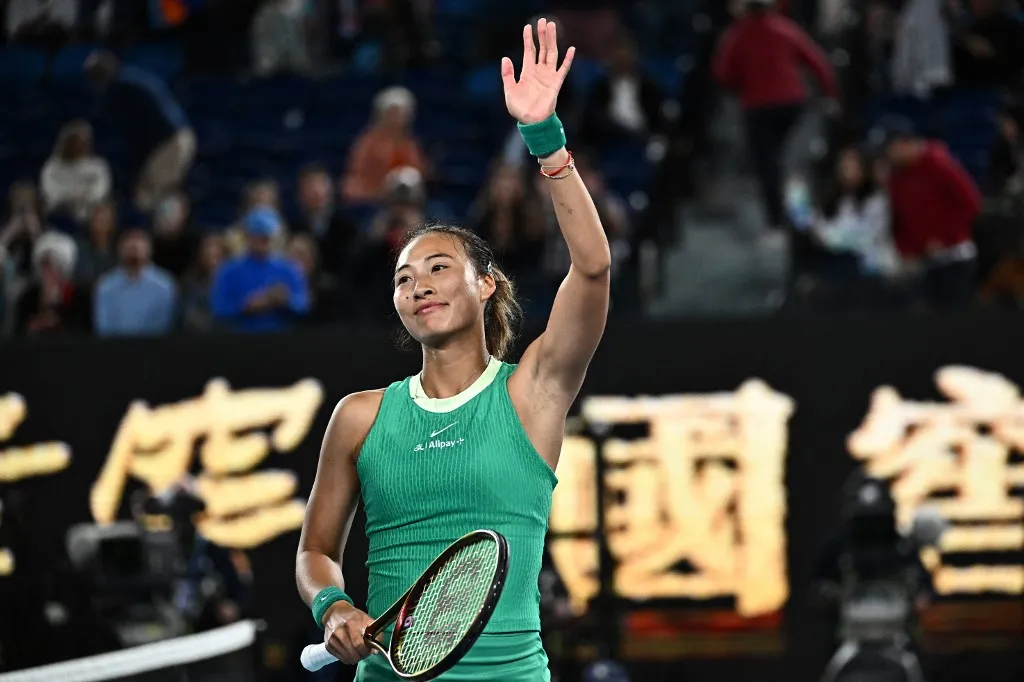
(440, 617)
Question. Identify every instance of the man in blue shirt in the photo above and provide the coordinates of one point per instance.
(137, 298)
(158, 138)
(259, 291)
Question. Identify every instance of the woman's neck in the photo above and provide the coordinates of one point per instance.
(450, 371)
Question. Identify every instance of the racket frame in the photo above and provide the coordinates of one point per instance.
(397, 612)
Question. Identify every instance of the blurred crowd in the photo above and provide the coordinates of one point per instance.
(251, 165)
(919, 202)
(126, 226)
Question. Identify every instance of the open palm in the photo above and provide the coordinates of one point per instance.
(532, 99)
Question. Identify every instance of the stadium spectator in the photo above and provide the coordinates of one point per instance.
(849, 257)
(387, 144)
(41, 21)
(400, 28)
(137, 298)
(761, 57)
(74, 179)
(97, 252)
(624, 103)
(403, 205)
(174, 243)
(934, 206)
(1006, 162)
(196, 306)
(158, 135)
(320, 218)
(509, 217)
(52, 304)
(259, 290)
(24, 226)
(278, 38)
(921, 53)
(1004, 284)
(988, 44)
(263, 193)
(855, 218)
(322, 286)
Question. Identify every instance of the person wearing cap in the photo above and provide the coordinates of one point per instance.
(762, 57)
(259, 290)
(934, 205)
(137, 298)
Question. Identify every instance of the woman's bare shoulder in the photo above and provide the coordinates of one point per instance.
(353, 418)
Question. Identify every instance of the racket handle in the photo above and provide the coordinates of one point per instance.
(316, 656)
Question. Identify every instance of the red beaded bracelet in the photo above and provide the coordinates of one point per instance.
(569, 165)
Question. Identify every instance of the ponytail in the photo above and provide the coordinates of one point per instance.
(502, 316)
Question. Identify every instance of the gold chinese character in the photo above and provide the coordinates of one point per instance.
(156, 446)
(705, 486)
(964, 448)
(18, 463)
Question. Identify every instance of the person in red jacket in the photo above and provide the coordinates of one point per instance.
(761, 57)
(934, 205)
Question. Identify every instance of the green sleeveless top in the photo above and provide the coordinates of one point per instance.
(432, 470)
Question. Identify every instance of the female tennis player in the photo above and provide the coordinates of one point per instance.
(470, 442)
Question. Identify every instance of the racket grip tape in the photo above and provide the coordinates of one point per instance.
(316, 656)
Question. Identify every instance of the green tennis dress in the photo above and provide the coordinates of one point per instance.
(432, 470)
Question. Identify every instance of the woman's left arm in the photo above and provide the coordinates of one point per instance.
(558, 359)
(580, 309)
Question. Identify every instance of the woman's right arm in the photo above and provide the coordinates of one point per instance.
(329, 514)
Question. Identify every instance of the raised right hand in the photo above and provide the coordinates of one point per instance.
(343, 633)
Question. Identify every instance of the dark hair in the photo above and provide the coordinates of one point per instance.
(503, 314)
(861, 193)
(313, 169)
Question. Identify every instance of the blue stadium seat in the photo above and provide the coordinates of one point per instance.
(367, 58)
(625, 167)
(349, 97)
(483, 86)
(72, 99)
(216, 213)
(21, 66)
(21, 103)
(452, 203)
(585, 72)
(275, 96)
(213, 137)
(210, 97)
(165, 60)
(456, 127)
(68, 66)
(666, 71)
(459, 9)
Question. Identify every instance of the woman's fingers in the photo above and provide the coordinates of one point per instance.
(508, 74)
(346, 643)
(335, 647)
(551, 37)
(356, 631)
(529, 50)
(563, 71)
(542, 41)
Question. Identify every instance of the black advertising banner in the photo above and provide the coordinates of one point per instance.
(728, 444)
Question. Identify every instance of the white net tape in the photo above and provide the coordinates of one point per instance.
(145, 658)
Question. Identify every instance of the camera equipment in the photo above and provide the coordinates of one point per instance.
(881, 580)
(129, 575)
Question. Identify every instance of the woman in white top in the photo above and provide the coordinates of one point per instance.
(855, 218)
(74, 179)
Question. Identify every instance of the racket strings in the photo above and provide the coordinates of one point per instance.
(446, 608)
